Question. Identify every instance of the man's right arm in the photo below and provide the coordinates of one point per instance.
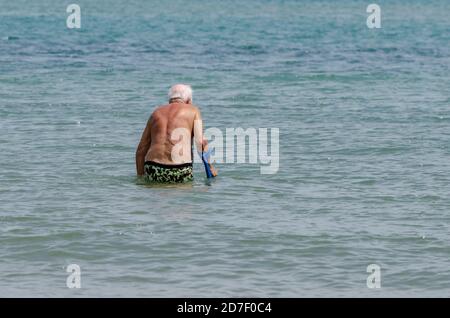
(200, 143)
(198, 130)
(143, 147)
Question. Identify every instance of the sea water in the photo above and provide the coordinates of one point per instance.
(364, 122)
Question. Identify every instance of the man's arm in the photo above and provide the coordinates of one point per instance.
(143, 147)
(198, 130)
(200, 143)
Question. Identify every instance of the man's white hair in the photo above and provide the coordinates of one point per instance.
(181, 91)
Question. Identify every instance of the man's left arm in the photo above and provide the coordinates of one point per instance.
(142, 149)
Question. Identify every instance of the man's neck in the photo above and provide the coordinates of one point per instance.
(176, 101)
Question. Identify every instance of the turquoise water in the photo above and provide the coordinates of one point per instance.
(364, 123)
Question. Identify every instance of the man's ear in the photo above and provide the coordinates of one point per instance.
(189, 101)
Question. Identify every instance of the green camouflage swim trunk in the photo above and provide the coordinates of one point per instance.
(157, 172)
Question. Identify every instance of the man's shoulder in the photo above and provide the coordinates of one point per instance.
(159, 109)
(163, 110)
(195, 108)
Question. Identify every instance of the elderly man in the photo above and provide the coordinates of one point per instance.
(164, 153)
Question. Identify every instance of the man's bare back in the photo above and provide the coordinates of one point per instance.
(166, 142)
(168, 126)
(164, 123)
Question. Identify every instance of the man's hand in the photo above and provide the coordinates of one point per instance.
(205, 149)
(213, 170)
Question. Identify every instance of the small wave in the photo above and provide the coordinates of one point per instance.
(253, 49)
(10, 38)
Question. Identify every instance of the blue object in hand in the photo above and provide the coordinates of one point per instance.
(205, 158)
